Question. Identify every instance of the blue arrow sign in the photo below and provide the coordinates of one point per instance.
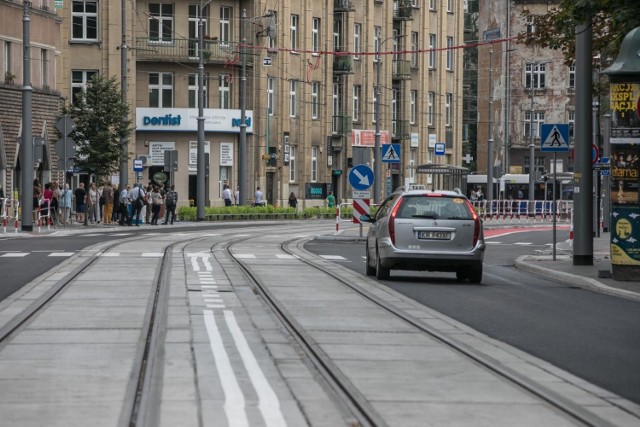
(361, 177)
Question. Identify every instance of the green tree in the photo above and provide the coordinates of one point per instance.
(99, 116)
(612, 20)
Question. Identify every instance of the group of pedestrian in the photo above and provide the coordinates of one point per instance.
(47, 201)
(138, 203)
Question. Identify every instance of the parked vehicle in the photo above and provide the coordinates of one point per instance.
(425, 230)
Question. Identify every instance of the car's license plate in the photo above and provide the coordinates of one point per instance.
(434, 235)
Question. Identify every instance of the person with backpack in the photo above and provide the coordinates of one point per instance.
(171, 200)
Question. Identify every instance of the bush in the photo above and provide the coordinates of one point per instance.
(187, 213)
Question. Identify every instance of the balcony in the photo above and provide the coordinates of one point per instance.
(342, 64)
(186, 50)
(341, 125)
(401, 69)
(402, 10)
(343, 6)
(400, 129)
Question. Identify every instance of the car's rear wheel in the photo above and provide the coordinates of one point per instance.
(382, 273)
(371, 271)
(475, 275)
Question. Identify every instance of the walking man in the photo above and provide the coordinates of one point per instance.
(172, 200)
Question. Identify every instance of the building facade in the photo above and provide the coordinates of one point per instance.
(317, 76)
(519, 89)
(44, 31)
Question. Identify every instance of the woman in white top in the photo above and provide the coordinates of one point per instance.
(94, 202)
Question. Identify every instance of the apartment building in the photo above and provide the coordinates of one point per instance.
(519, 89)
(44, 31)
(314, 75)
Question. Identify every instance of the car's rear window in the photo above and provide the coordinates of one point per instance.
(441, 207)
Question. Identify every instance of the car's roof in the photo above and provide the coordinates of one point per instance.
(428, 192)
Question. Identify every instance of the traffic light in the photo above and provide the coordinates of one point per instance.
(349, 162)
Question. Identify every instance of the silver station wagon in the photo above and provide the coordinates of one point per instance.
(425, 230)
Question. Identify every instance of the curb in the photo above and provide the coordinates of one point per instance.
(522, 263)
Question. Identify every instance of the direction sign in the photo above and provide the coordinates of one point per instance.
(361, 177)
(65, 125)
(440, 149)
(554, 137)
(390, 153)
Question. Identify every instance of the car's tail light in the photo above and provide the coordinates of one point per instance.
(392, 222)
(476, 223)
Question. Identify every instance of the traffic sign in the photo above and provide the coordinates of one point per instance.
(361, 177)
(360, 207)
(595, 154)
(137, 165)
(440, 148)
(65, 125)
(390, 153)
(554, 138)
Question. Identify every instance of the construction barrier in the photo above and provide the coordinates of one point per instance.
(8, 208)
(519, 210)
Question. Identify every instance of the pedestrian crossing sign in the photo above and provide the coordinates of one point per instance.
(390, 153)
(554, 137)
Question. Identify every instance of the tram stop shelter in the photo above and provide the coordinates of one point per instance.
(445, 177)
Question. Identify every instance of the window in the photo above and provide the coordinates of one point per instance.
(160, 22)
(314, 163)
(432, 4)
(315, 100)
(84, 20)
(538, 121)
(414, 48)
(531, 26)
(430, 106)
(450, 53)
(535, 74)
(413, 100)
(377, 40)
(412, 165)
(194, 27)
(357, 44)
(292, 163)
(572, 76)
(160, 90)
(432, 51)
(337, 36)
(375, 104)
(193, 91)
(271, 93)
(357, 93)
(293, 98)
(43, 68)
(449, 5)
(395, 114)
(571, 119)
(225, 24)
(273, 21)
(293, 31)
(224, 89)
(79, 81)
(315, 35)
(538, 162)
(337, 110)
(6, 59)
(448, 100)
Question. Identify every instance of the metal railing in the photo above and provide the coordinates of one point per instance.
(186, 50)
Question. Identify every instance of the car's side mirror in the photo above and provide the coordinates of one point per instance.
(367, 218)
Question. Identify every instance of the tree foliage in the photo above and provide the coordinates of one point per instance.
(99, 116)
(611, 21)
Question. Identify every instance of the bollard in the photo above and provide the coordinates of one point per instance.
(337, 218)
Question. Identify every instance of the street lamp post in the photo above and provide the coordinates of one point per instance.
(532, 150)
(201, 182)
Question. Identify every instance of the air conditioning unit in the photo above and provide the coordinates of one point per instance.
(146, 161)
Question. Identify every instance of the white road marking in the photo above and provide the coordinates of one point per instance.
(286, 256)
(152, 254)
(523, 243)
(198, 254)
(209, 286)
(14, 254)
(333, 257)
(61, 254)
(215, 306)
(121, 234)
(244, 256)
(493, 243)
(194, 264)
(234, 403)
(109, 254)
(269, 403)
(93, 234)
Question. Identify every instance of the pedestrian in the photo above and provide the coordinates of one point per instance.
(331, 200)
(257, 200)
(137, 199)
(93, 203)
(293, 201)
(147, 208)
(55, 202)
(47, 198)
(107, 194)
(125, 218)
(236, 196)
(156, 203)
(171, 200)
(37, 193)
(81, 202)
(65, 204)
(226, 195)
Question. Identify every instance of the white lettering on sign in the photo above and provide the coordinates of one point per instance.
(193, 154)
(156, 151)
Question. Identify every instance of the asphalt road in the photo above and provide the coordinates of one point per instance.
(594, 336)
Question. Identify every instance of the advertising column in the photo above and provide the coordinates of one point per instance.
(625, 159)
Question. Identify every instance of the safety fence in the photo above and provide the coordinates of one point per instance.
(10, 213)
(523, 210)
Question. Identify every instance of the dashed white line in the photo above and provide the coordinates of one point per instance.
(286, 256)
(14, 254)
(244, 256)
(333, 257)
(152, 254)
(61, 254)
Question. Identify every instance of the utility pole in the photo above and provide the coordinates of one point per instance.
(242, 143)
(377, 150)
(490, 194)
(532, 148)
(583, 197)
(200, 178)
(26, 147)
(124, 141)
